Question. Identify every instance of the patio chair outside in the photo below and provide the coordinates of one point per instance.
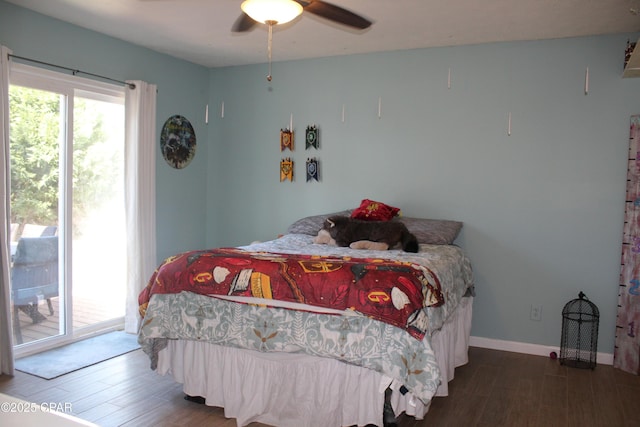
(34, 276)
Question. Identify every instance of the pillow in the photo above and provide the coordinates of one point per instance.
(312, 224)
(432, 231)
(370, 210)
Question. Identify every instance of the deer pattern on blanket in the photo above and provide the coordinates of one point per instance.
(357, 340)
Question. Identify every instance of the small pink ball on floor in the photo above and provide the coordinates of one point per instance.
(553, 355)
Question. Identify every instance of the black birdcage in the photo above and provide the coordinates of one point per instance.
(579, 343)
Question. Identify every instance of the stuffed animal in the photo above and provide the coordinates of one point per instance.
(368, 244)
(346, 231)
(324, 238)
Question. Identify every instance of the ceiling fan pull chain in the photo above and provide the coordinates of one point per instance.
(269, 43)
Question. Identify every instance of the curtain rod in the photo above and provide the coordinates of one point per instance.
(73, 70)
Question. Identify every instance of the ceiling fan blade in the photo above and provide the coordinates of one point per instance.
(243, 23)
(335, 13)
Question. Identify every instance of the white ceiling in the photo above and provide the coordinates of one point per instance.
(200, 30)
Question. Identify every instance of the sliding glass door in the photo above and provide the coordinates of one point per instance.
(37, 132)
(98, 222)
(67, 207)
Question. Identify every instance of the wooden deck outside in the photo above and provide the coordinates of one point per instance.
(99, 292)
(87, 311)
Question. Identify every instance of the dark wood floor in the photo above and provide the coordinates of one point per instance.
(495, 389)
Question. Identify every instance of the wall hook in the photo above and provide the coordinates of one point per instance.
(586, 82)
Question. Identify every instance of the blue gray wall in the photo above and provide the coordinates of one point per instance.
(543, 208)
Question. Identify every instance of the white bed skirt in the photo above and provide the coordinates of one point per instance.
(297, 390)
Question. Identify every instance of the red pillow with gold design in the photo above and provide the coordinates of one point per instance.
(370, 210)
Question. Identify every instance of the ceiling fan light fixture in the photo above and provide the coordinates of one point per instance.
(277, 11)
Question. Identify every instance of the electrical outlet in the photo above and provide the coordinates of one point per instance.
(536, 312)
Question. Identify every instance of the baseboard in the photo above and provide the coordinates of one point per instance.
(526, 348)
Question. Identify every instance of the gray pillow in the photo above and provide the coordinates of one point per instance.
(432, 231)
(312, 224)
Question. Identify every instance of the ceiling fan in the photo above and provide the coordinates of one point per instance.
(275, 12)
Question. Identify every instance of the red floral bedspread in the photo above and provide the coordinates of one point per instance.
(391, 291)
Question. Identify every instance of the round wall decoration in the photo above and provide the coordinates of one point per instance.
(178, 141)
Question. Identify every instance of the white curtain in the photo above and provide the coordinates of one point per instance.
(6, 337)
(140, 193)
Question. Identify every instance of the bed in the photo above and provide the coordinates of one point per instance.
(293, 333)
